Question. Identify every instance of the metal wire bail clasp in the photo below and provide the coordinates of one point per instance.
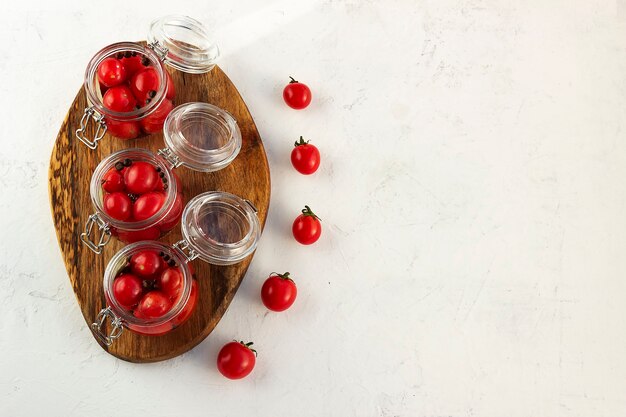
(160, 50)
(99, 329)
(105, 234)
(184, 248)
(101, 128)
(170, 157)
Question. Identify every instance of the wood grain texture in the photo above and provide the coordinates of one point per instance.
(71, 166)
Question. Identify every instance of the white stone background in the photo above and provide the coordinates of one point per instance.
(472, 191)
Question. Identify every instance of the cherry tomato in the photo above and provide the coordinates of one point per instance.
(151, 233)
(185, 313)
(171, 88)
(297, 95)
(154, 304)
(113, 181)
(305, 157)
(127, 290)
(144, 85)
(307, 227)
(279, 292)
(171, 282)
(132, 64)
(154, 121)
(111, 72)
(141, 177)
(236, 360)
(173, 217)
(146, 263)
(119, 98)
(147, 205)
(123, 130)
(117, 205)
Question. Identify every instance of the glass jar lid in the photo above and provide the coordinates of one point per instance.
(202, 136)
(183, 43)
(221, 228)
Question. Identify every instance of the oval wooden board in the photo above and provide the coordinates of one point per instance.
(71, 166)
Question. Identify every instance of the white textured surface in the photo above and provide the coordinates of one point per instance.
(472, 192)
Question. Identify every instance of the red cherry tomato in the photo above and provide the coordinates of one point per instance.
(154, 304)
(189, 307)
(307, 227)
(171, 282)
(113, 181)
(297, 95)
(279, 292)
(141, 177)
(123, 130)
(120, 99)
(236, 360)
(111, 72)
(117, 205)
(127, 290)
(154, 121)
(151, 233)
(305, 157)
(144, 85)
(146, 263)
(173, 217)
(147, 205)
(171, 88)
(132, 64)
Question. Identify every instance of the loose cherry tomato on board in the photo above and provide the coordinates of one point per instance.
(147, 205)
(297, 95)
(154, 304)
(279, 292)
(127, 290)
(111, 72)
(236, 360)
(117, 205)
(305, 157)
(307, 227)
(113, 181)
(146, 263)
(141, 177)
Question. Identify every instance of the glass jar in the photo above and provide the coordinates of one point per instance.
(217, 227)
(176, 41)
(199, 136)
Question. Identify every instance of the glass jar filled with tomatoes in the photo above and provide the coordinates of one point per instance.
(135, 192)
(150, 287)
(129, 90)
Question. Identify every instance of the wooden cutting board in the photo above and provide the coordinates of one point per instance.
(71, 166)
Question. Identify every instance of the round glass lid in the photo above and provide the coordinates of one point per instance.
(220, 227)
(202, 136)
(184, 43)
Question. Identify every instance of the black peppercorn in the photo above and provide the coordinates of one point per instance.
(119, 166)
(151, 93)
(172, 263)
(127, 162)
(145, 62)
(127, 54)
